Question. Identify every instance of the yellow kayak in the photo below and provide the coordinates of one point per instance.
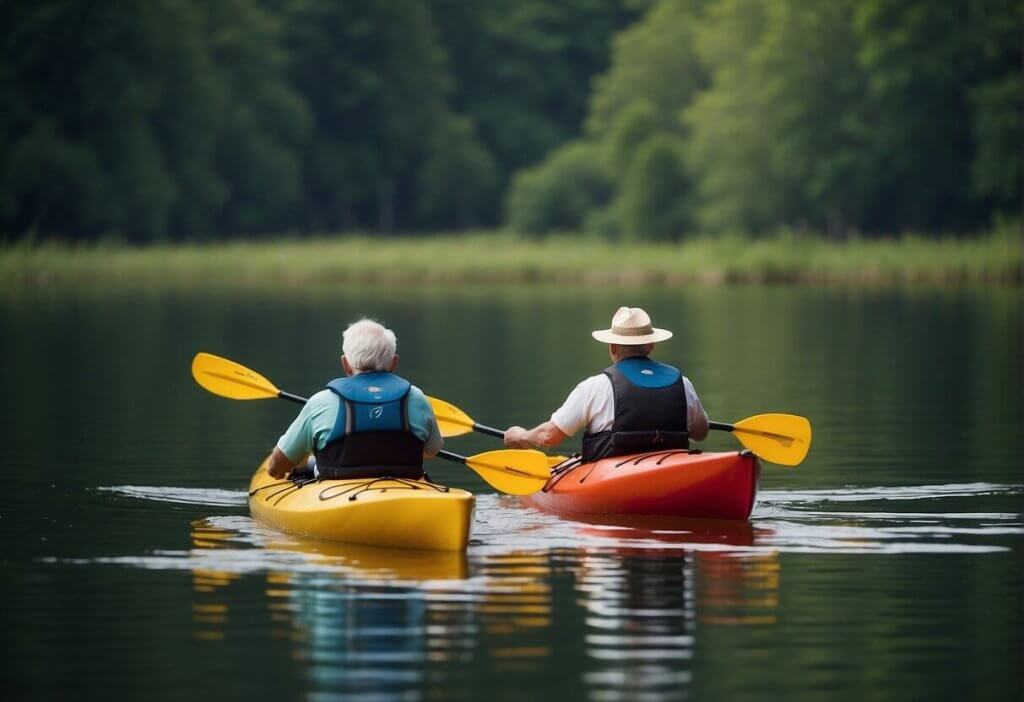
(396, 513)
(371, 562)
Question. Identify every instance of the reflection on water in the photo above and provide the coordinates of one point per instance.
(379, 621)
(755, 602)
(885, 567)
(640, 621)
(605, 608)
(622, 607)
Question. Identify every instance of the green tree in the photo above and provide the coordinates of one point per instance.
(778, 137)
(458, 180)
(633, 125)
(375, 77)
(560, 194)
(998, 133)
(654, 74)
(922, 59)
(51, 184)
(996, 106)
(654, 61)
(729, 146)
(266, 121)
(115, 118)
(523, 68)
(655, 196)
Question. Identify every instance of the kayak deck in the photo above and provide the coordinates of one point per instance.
(676, 483)
(391, 512)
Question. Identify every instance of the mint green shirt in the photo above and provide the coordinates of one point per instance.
(315, 423)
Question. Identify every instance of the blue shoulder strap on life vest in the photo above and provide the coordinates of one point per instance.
(369, 402)
(645, 373)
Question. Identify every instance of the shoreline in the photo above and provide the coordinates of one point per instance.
(503, 258)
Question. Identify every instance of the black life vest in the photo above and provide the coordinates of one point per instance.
(650, 411)
(371, 436)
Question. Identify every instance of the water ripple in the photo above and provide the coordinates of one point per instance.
(186, 496)
(907, 492)
(788, 521)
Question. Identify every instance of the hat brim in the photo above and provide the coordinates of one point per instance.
(606, 336)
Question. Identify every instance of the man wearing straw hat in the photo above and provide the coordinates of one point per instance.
(635, 405)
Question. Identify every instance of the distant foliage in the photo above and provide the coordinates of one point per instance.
(108, 117)
(654, 62)
(655, 199)
(458, 180)
(560, 194)
(374, 77)
(266, 122)
(842, 116)
(190, 119)
(631, 127)
(149, 120)
(523, 68)
(779, 136)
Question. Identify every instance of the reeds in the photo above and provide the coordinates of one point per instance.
(484, 257)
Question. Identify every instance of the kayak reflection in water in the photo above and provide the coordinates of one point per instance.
(370, 423)
(634, 405)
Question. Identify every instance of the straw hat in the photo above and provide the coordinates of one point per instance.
(631, 326)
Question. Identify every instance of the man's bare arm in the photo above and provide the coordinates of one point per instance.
(546, 435)
(279, 464)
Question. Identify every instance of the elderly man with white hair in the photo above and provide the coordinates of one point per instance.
(634, 405)
(370, 423)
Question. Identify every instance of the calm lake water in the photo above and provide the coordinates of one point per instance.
(887, 566)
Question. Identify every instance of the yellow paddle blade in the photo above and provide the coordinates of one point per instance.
(229, 379)
(451, 421)
(513, 471)
(556, 460)
(777, 438)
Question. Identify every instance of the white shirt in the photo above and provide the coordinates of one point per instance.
(592, 405)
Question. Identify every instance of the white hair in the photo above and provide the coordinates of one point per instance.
(369, 346)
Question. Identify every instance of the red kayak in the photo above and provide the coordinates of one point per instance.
(675, 483)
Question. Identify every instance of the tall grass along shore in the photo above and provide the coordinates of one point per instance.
(484, 257)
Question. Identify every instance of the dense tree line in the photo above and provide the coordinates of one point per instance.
(753, 115)
(189, 119)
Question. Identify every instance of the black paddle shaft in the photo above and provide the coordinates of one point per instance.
(440, 454)
(294, 398)
(484, 429)
(443, 454)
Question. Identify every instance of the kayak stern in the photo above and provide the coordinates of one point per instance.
(668, 483)
(395, 513)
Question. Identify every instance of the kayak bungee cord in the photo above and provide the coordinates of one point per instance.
(570, 462)
(665, 455)
(272, 485)
(562, 470)
(289, 487)
(360, 488)
(287, 481)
